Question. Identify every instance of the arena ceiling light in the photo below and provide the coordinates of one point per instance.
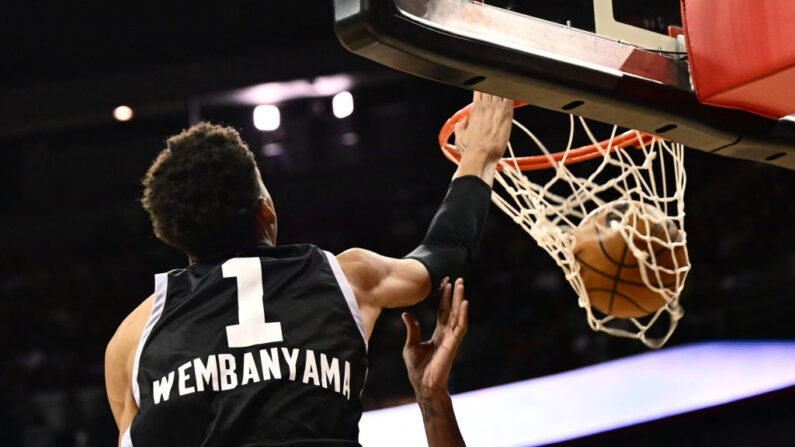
(342, 104)
(267, 117)
(276, 92)
(123, 113)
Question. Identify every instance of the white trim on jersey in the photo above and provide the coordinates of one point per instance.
(347, 292)
(126, 441)
(161, 286)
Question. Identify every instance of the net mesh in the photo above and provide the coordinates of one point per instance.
(650, 179)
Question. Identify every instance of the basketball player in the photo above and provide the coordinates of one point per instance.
(429, 364)
(258, 344)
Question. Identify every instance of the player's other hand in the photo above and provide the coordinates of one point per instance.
(429, 362)
(487, 130)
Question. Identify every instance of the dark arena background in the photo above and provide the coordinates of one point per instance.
(78, 252)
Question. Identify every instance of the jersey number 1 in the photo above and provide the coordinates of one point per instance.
(252, 328)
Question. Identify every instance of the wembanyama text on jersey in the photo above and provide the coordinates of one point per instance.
(263, 349)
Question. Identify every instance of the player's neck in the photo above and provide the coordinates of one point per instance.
(231, 253)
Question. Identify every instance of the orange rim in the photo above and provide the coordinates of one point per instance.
(629, 138)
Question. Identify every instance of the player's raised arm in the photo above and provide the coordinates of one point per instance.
(452, 237)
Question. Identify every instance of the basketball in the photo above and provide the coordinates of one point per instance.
(610, 270)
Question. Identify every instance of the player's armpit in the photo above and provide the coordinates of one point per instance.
(382, 282)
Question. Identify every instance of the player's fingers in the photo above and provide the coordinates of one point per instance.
(443, 314)
(461, 324)
(461, 126)
(458, 295)
(458, 292)
(412, 330)
(476, 97)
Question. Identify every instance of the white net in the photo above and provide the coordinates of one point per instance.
(644, 184)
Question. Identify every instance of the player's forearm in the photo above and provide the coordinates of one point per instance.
(441, 427)
(449, 245)
(478, 164)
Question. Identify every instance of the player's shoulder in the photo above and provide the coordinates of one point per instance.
(356, 255)
(359, 257)
(364, 269)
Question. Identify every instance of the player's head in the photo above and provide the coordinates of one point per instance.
(205, 195)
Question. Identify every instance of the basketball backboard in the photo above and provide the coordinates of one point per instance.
(598, 64)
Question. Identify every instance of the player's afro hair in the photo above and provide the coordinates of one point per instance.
(201, 192)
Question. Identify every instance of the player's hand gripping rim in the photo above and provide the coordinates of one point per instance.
(485, 132)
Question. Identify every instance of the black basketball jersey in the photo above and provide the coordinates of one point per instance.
(263, 349)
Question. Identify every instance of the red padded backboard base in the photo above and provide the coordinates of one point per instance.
(742, 54)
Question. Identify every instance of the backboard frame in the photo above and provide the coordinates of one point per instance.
(477, 46)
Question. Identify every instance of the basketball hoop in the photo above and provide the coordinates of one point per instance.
(630, 138)
(648, 185)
